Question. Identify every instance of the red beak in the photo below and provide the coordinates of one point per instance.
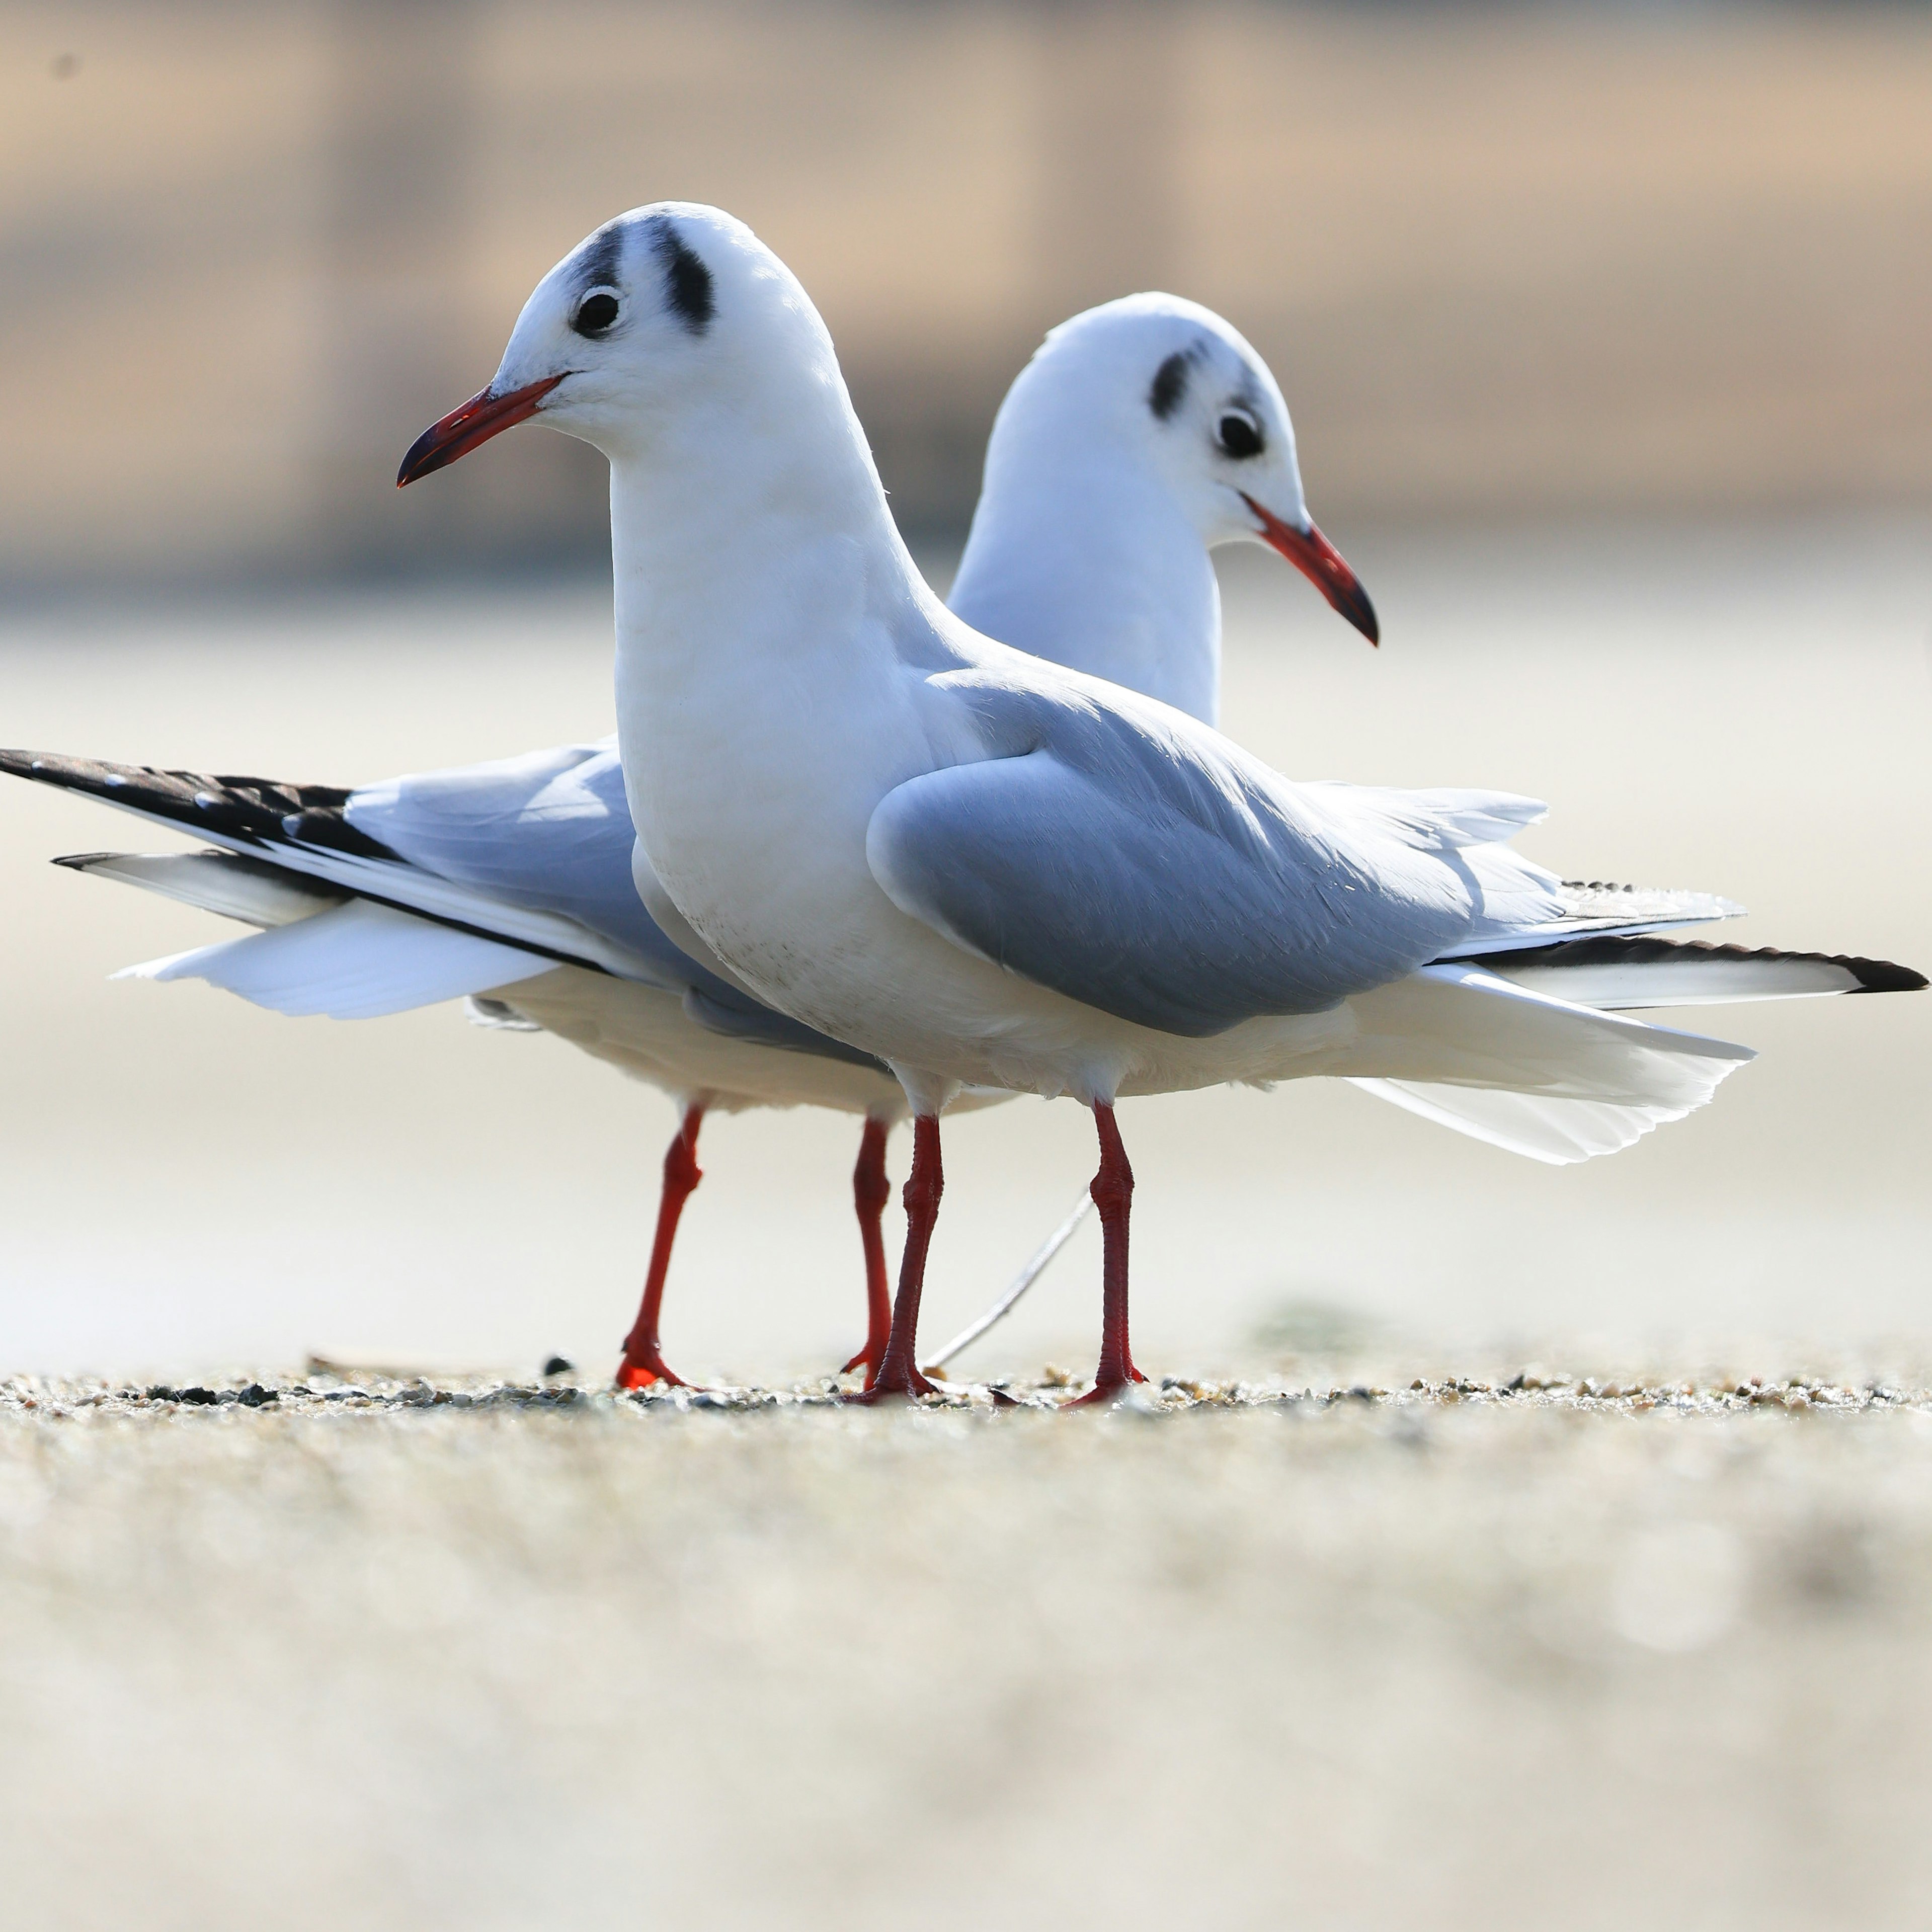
(483, 416)
(1321, 562)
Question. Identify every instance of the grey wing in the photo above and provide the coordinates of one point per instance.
(550, 830)
(1153, 871)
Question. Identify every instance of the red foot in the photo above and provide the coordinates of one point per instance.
(891, 1382)
(1106, 1391)
(641, 1371)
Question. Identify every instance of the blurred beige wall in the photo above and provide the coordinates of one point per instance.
(1539, 260)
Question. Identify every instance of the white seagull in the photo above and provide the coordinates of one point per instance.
(981, 868)
(1091, 550)
(1090, 546)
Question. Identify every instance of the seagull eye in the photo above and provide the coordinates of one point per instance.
(595, 313)
(1239, 434)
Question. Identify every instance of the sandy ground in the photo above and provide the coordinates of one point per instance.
(1461, 1654)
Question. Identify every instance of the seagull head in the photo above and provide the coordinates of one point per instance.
(1157, 386)
(660, 312)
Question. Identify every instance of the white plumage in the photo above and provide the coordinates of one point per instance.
(356, 962)
(1090, 546)
(982, 868)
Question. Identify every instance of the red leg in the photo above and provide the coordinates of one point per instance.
(1113, 1192)
(643, 1363)
(898, 1371)
(871, 1191)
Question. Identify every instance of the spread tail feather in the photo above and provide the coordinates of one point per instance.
(358, 960)
(1559, 1133)
(1524, 1070)
(1606, 1081)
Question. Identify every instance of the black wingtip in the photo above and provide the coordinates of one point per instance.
(68, 774)
(1883, 976)
(255, 811)
(1874, 976)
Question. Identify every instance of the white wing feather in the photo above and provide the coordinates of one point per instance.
(356, 962)
(1558, 1132)
(252, 890)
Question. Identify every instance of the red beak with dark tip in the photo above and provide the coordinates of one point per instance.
(483, 416)
(1321, 562)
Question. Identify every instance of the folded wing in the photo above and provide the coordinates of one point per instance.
(1132, 860)
(550, 831)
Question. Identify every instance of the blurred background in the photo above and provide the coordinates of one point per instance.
(1546, 259)
(1606, 330)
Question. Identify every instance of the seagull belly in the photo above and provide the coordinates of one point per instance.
(647, 1033)
(914, 999)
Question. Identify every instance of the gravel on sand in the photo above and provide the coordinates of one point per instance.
(1506, 1649)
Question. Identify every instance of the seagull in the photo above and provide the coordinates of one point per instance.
(978, 868)
(449, 883)
(1090, 546)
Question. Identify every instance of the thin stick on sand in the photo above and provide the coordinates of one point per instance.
(1021, 1282)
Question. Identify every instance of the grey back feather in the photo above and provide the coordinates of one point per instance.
(1121, 854)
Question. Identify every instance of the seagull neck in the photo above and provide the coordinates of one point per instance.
(1098, 569)
(784, 553)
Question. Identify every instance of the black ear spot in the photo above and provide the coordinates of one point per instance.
(603, 262)
(687, 280)
(595, 314)
(1239, 434)
(1170, 385)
